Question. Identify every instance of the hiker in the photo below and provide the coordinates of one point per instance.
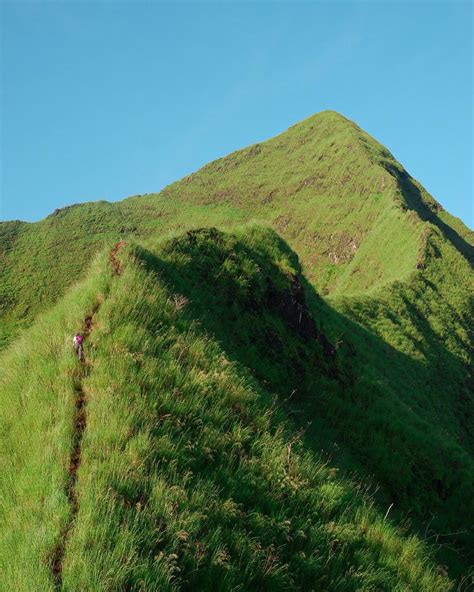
(77, 341)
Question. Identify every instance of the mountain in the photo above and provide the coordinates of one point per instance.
(355, 217)
(277, 390)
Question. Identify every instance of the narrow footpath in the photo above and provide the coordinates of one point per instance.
(114, 262)
(80, 423)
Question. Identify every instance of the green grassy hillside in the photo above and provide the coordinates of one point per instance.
(194, 470)
(332, 293)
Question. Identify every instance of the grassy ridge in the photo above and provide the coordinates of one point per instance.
(192, 475)
(41, 260)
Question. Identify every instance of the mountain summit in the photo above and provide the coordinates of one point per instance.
(277, 385)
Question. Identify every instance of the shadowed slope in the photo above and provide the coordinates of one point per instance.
(405, 420)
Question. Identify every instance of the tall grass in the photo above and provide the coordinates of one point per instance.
(414, 442)
(192, 476)
(191, 480)
(37, 380)
(394, 406)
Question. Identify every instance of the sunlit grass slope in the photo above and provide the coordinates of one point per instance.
(37, 388)
(195, 473)
(40, 260)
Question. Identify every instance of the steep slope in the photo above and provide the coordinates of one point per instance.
(429, 318)
(350, 211)
(192, 473)
(397, 416)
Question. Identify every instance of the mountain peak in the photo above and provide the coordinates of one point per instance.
(327, 116)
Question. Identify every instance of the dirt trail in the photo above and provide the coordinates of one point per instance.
(80, 423)
(114, 262)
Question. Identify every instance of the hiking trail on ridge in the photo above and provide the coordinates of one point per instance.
(80, 424)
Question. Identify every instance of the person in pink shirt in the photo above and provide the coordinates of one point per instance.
(78, 340)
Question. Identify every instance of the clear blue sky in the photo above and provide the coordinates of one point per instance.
(102, 100)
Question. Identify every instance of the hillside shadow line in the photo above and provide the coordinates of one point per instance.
(378, 434)
(414, 201)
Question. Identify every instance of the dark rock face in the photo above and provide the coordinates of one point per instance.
(291, 305)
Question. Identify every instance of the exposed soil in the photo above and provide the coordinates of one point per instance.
(80, 422)
(114, 262)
